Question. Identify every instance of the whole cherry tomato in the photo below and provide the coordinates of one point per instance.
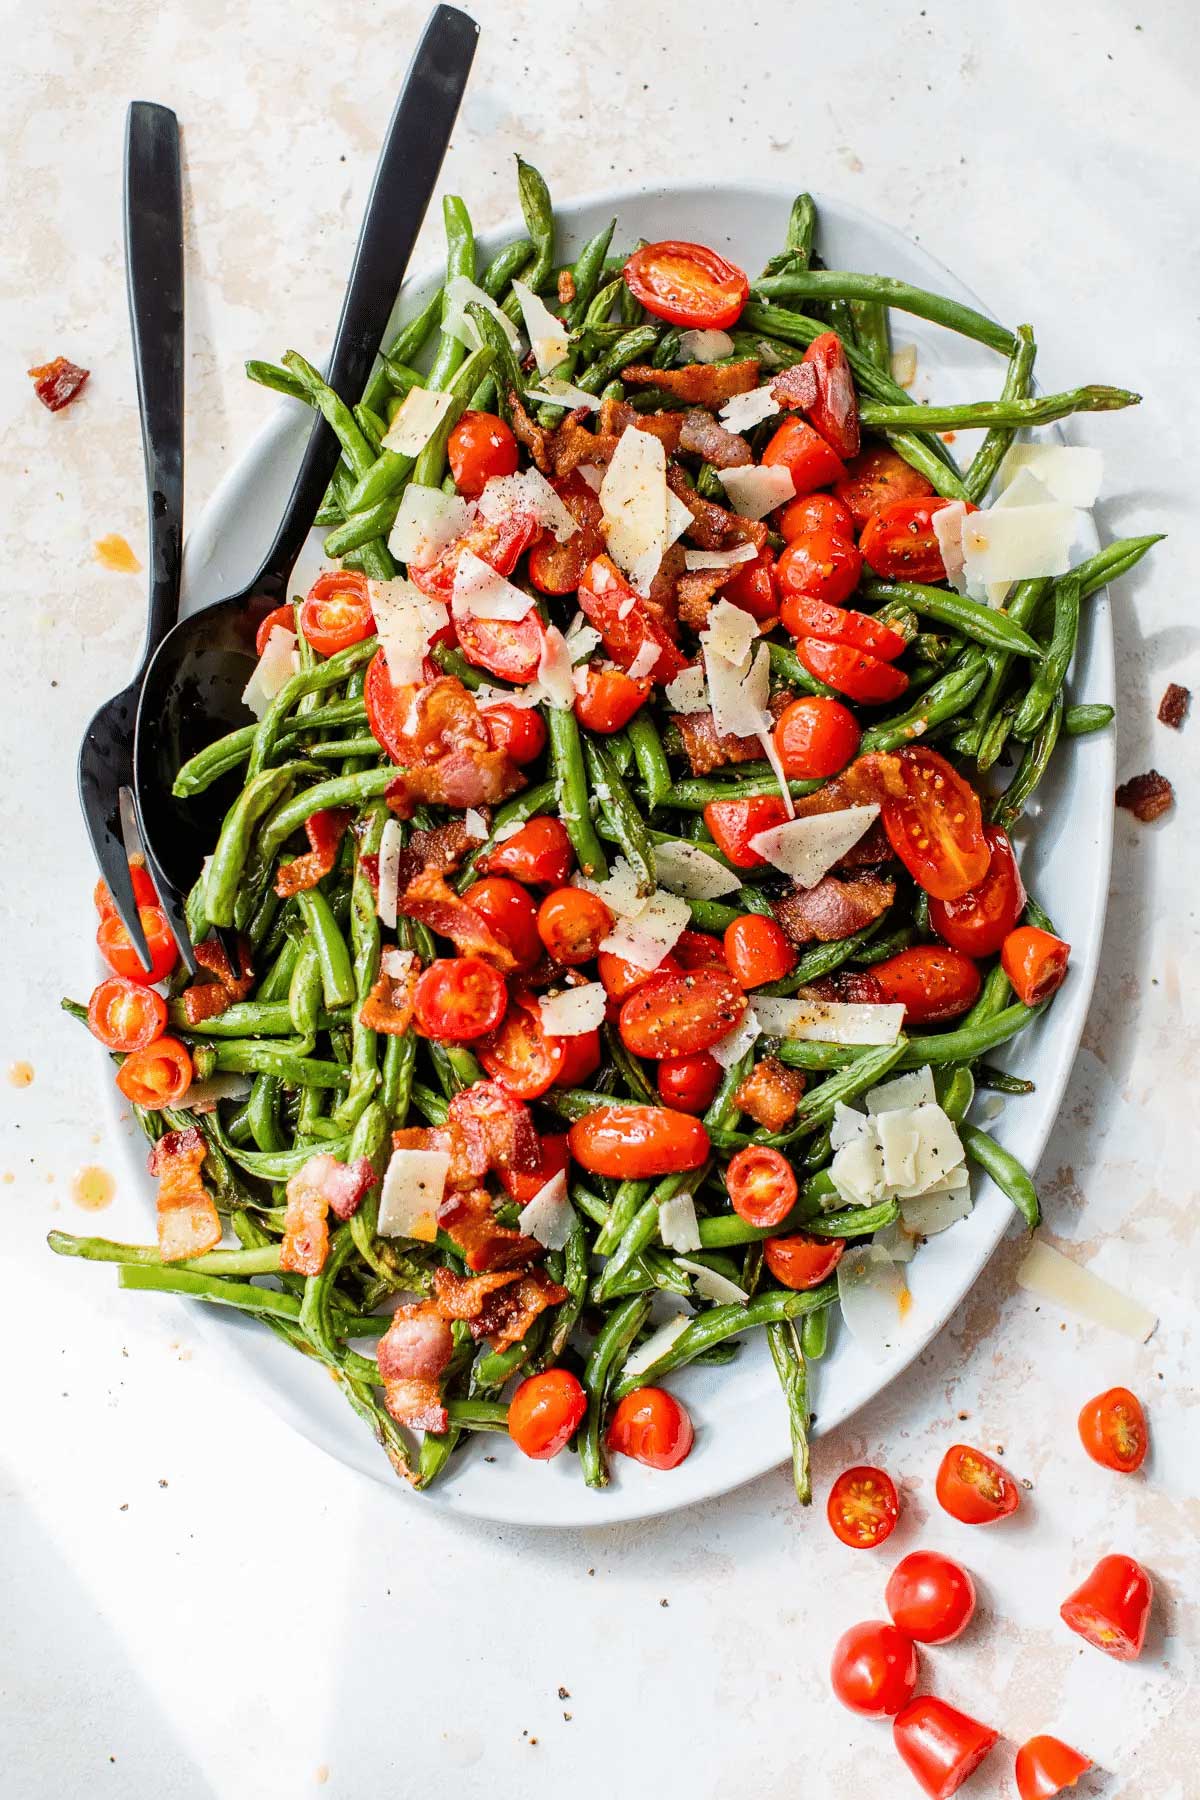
(834, 412)
(758, 950)
(520, 1055)
(113, 943)
(931, 983)
(801, 1262)
(762, 1185)
(874, 1669)
(633, 1142)
(554, 1160)
(855, 673)
(459, 998)
(899, 541)
(689, 1083)
(941, 1746)
(815, 512)
(805, 616)
(875, 478)
(863, 1507)
(974, 1489)
(804, 453)
(935, 825)
(676, 1015)
(1035, 963)
(1045, 1766)
(930, 1598)
(540, 853)
(126, 1015)
(1112, 1429)
(337, 611)
(732, 823)
(511, 913)
(687, 284)
(480, 447)
(280, 618)
(979, 920)
(545, 1413)
(581, 1059)
(573, 924)
(517, 729)
(609, 700)
(652, 1427)
(820, 563)
(1111, 1608)
(158, 1075)
(816, 737)
(752, 586)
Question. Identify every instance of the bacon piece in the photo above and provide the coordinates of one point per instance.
(559, 567)
(694, 593)
(498, 1130)
(468, 1219)
(500, 1307)
(442, 848)
(464, 1296)
(873, 847)
(858, 986)
(322, 1186)
(771, 1093)
(57, 383)
(702, 435)
(616, 416)
(1172, 708)
(461, 779)
(712, 526)
(706, 749)
(208, 999)
(700, 384)
(833, 909)
(566, 287)
(1146, 796)
(413, 1354)
(528, 433)
(325, 831)
(389, 1005)
(796, 387)
(428, 899)
(574, 444)
(188, 1224)
(449, 759)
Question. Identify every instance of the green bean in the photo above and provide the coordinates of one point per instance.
(630, 1196)
(955, 1091)
(460, 261)
(838, 284)
(817, 1106)
(983, 623)
(651, 759)
(336, 790)
(1113, 561)
(263, 1261)
(999, 1081)
(854, 1221)
(478, 1415)
(823, 959)
(609, 1348)
(787, 1354)
(575, 1280)
(1009, 806)
(229, 858)
(629, 347)
(814, 1334)
(316, 1320)
(943, 700)
(994, 996)
(333, 410)
(305, 991)
(326, 674)
(263, 1113)
(571, 788)
(506, 264)
(337, 976)
(270, 375)
(622, 815)
(403, 349)
(239, 1294)
(870, 319)
(1081, 721)
(510, 381)
(798, 243)
(1048, 680)
(587, 275)
(1007, 1173)
(695, 794)
(720, 1322)
(294, 1066)
(538, 213)
(995, 446)
(1039, 409)
(245, 1018)
(712, 915)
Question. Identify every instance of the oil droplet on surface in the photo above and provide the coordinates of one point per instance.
(92, 1188)
(20, 1074)
(114, 552)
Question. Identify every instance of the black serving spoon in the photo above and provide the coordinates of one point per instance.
(154, 276)
(192, 693)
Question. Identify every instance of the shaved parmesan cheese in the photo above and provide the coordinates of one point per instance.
(689, 870)
(729, 632)
(713, 1285)
(938, 1150)
(898, 1140)
(678, 1226)
(592, 475)
(1070, 473)
(1024, 490)
(427, 523)
(719, 559)
(555, 683)
(581, 641)
(874, 1298)
(474, 824)
(648, 654)
(828, 1021)
(656, 1345)
(486, 696)
(1016, 543)
(391, 843)
(744, 411)
(508, 830)
(704, 346)
(806, 849)
(457, 324)
(527, 492)
(481, 593)
(547, 335)
(417, 418)
(857, 1170)
(926, 1215)
(274, 668)
(405, 620)
(899, 1243)
(639, 522)
(847, 1126)
(687, 692)
(739, 696)
(756, 491)
(646, 939)
(904, 365)
(549, 1216)
(574, 1011)
(202, 1096)
(619, 889)
(915, 1088)
(1052, 1276)
(413, 1188)
(770, 750)
(555, 392)
(733, 1046)
(947, 523)
(397, 964)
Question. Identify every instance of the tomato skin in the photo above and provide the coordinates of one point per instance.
(687, 284)
(573, 924)
(620, 978)
(863, 1507)
(1045, 1766)
(651, 1426)
(936, 825)
(637, 1141)
(929, 982)
(815, 512)
(816, 737)
(1112, 1429)
(899, 543)
(480, 446)
(539, 853)
(762, 1185)
(545, 1413)
(804, 453)
(800, 1262)
(509, 648)
(581, 1059)
(158, 1075)
(874, 1669)
(511, 913)
(732, 823)
(698, 950)
(609, 700)
(126, 1015)
(284, 616)
(974, 1489)
(979, 920)
(676, 1015)
(806, 616)
(112, 941)
(337, 611)
(1035, 963)
(518, 729)
(624, 621)
(519, 1054)
(752, 587)
(758, 950)
(689, 1083)
(555, 1159)
(941, 1746)
(823, 565)
(876, 477)
(855, 673)
(930, 1598)
(459, 998)
(1110, 1609)
(143, 891)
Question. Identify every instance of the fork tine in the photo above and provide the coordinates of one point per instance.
(173, 904)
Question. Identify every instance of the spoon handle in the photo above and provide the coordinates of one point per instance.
(154, 277)
(407, 172)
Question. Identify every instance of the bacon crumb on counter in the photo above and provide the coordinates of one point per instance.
(57, 383)
(188, 1224)
(700, 384)
(1146, 796)
(1172, 708)
(771, 1093)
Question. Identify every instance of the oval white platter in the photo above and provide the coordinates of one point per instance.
(1064, 842)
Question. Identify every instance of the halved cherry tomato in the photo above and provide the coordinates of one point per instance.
(540, 853)
(930, 983)
(974, 1489)
(545, 1413)
(758, 950)
(699, 950)
(1035, 963)
(125, 1015)
(337, 612)
(732, 823)
(687, 284)
(874, 1669)
(936, 825)
(282, 616)
(1045, 1766)
(555, 1158)
(158, 1075)
(835, 409)
(620, 978)
(384, 715)
(805, 616)
(500, 543)
(1111, 1608)
(863, 1507)
(762, 1185)
(573, 924)
(652, 1427)
(556, 568)
(980, 920)
(852, 672)
(752, 586)
(112, 941)
(581, 1059)
(1112, 1428)
(875, 478)
(459, 998)
(801, 1262)
(816, 737)
(480, 447)
(610, 699)
(517, 729)
(814, 512)
(624, 620)
(899, 541)
(941, 1746)
(803, 452)
(511, 912)
(637, 1141)
(676, 1015)
(510, 648)
(689, 1083)
(519, 1054)
(143, 890)
(930, 1598)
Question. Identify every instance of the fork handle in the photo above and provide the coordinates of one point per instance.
(405, 177)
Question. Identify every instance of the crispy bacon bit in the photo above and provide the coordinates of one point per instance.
(833, 909)
(464, 1296)
(796, 387)
(706, 750)
(322, 1186)
(428, 899)
(574, 444)
(700, 384)
(389, 1005)
(1172, 708)
(694, 593)
(467, 1217)
(1146, 796)
(873, 847)
(560, 566)
(325, 831)
(413, 1354)
(771, 1093)
(497, 1130)
(499, 1307)
(566, 287)
(57, 383)
(528, 433)
(205, 1000)
(702, 435)
(616, 416)
(448, 756)
(712, 526)
(442, 848)
(187, 1215)
(208, 999)
(858, 986)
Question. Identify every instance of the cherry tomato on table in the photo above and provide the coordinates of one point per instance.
(113, 943)
(758, 950)
(609, 700)
(651, 1426)
(804, 453)
(834, 412)
(935, 825)
(539, 854)
(1035, 963)
(762, 1185)
(337, 611)
(752, 587)
(638, 1141)
(480, 446)
(687, 284)
(572, 924)
(940, 1746)
(876, 477)
(1112, 1429)
(805, 616)
(822, 564)
(143, 890)
(511, 913)
(126, 1015)
(519, 1054)
(1045, 1766)
(979, 920)
(855, 673)
(863, 1507)
(801, 1262)
(815, 512)
(517, 729)
(816, 737)
(1111, 1608)
(158, 1075)
(874, 1669)
(930, 982)
(458, 999)
(280, 618)
(676, 1015)
(974, 1489)
(930, 1598)
(689, 1083)
(732, 823)
(545, 1413)
(899, 542)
